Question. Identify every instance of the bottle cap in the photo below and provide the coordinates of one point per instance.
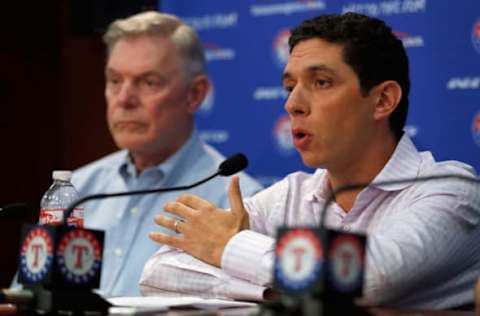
(62, 175)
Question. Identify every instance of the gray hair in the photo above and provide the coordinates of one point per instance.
(154, 23)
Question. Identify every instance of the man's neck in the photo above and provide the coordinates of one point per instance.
(361, 169)
(146, 159)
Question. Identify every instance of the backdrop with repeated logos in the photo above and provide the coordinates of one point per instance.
(246, 49)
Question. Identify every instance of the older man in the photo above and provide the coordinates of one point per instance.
(155, 81)
(347, 80)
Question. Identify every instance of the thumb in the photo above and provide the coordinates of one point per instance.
(235, 196)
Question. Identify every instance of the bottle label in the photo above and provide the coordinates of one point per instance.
(54, 216)
(76, 219)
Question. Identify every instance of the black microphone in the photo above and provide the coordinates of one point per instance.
(229, 166)
(233, 165)
(13, 209)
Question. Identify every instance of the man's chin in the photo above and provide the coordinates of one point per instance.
(132, 145)
(311, 161)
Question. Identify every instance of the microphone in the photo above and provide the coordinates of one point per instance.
(228, 167)
(11, 208)
(233, 165)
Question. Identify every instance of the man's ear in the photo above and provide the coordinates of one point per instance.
(387, 97)
(197, 91)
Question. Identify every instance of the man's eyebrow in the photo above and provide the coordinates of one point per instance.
(112, 71)
(311, 69)
(320, 68)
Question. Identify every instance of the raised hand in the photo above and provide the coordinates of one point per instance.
(205, 229)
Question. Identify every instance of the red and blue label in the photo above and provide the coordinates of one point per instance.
(346, 262)
(298, 260)
(36, 255)
(79, 256)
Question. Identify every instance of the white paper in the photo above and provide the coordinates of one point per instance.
(231, 287)
(165, 302)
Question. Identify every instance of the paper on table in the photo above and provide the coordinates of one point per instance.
(160, 302)
(181, 262)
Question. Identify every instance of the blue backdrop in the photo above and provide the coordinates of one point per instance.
(246, 49)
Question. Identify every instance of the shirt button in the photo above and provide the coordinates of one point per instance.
(134, 210)
(346, 228)
(118, 252)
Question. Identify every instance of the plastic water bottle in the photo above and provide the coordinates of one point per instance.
(57, 199)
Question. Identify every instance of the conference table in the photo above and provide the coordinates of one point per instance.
(244, 311)
(254, 311)
(392, 312)
(374, 312)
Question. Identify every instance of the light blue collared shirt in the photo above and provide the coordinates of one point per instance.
(128, 220)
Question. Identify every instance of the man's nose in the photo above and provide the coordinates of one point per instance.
(127, 95)
(297, 102)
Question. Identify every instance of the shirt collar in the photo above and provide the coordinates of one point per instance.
(127, 169)
(318, 186)
(404, 163)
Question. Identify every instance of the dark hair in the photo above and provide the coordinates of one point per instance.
(369, 47)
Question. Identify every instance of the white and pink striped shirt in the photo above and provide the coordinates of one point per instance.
(423, 238)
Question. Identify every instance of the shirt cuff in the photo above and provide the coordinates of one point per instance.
(246, 256)
(243, 290)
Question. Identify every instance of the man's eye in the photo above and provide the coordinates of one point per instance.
(113, 81)
(322, 83)
(151, 83)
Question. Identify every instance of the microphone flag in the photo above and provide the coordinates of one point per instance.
(61, 265)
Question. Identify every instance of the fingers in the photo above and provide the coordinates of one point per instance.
(165, 239)
(195, 202)
(174, 224)
(167, 222)
(235, 195)
(179, 209)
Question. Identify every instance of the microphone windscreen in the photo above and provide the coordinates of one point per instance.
(233, 164)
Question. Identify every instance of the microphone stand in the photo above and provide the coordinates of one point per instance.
(228, 167)
(72, 206)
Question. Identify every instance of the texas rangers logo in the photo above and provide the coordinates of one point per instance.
(36, 255)
(79, 256)
(298, 260)
(346, 263)
(476, 128)
(282, 133)
(476, 35)
(281, 50)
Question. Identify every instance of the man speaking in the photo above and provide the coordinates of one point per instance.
(347, 80)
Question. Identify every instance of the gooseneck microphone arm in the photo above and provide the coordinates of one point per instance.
(138, 192)
(228, 167)
(356, 186)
